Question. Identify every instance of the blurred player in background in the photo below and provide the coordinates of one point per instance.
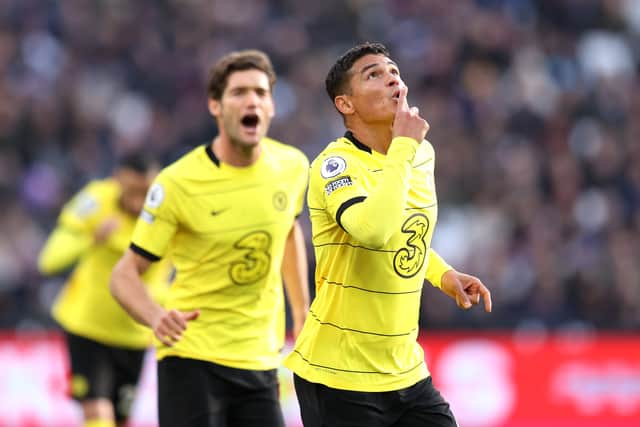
(226, 212)
(106, 347)
(373, 210)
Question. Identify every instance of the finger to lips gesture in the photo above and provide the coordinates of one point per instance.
(170, 324)
(407, 121)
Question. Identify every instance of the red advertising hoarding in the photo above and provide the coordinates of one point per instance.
(509, 380)
(491, 380)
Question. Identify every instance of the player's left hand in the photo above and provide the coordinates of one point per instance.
(168, 325)
(466, 290)
(105, 229)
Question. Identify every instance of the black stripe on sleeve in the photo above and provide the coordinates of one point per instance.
(144, 253)
(343, 207)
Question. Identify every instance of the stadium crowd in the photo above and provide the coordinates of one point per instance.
(533, 107)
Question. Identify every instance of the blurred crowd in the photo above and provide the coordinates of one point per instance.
(534, 107)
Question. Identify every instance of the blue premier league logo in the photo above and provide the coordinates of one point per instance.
(333, 166)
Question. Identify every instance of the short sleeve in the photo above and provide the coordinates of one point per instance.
(336, 182)
(157, 222)
(436, 267)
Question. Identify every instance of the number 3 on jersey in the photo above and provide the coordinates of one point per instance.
(256, 261)
(408, 260)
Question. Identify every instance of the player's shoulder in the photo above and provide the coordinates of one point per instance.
(196, 165)
(101, 189)
(94, 197)
(188, 163)
(286, 152)
(344, 147)
(336, 156)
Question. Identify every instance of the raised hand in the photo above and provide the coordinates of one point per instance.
(407, 121)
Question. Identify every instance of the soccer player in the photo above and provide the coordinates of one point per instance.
(106, 347)
(226, 212)
(373, 210)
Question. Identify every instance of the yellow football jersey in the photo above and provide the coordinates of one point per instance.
(225, 228)
(362, 327)
(84, 305)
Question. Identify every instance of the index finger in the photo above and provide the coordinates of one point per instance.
(402, 99)
(486, 296)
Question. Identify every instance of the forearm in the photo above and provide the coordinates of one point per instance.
(129, 290)
(373, 221)
(295, 274)
(63, 248)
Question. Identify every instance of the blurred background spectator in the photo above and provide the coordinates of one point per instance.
(533, 107)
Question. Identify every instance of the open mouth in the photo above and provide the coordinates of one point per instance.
(250, 121)
(396, 95)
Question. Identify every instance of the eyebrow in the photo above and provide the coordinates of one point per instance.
(248, 87)
(375, 64)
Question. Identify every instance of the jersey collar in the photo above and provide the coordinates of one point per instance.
(212, 155)
(349, 135)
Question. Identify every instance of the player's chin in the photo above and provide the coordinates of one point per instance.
(253, 138)
(252, 141)
(249, 136)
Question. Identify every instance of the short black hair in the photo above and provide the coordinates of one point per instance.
(136, 161)
(336, 81)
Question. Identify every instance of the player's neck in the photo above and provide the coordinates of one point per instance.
(235, 154)
(124, 208)
(376, 137)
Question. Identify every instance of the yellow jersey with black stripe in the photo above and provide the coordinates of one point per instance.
(225, 228)
(84, 305)
(362, 327)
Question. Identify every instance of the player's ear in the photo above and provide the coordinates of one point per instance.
(343, 104)
(214, 107)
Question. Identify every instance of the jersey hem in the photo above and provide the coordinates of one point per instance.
(306, 372)
(351, 387)
(162, 352)
(103, 338)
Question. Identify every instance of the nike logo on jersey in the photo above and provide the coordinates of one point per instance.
(217, 212)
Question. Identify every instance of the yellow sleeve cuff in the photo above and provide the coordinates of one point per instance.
(436, 268)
